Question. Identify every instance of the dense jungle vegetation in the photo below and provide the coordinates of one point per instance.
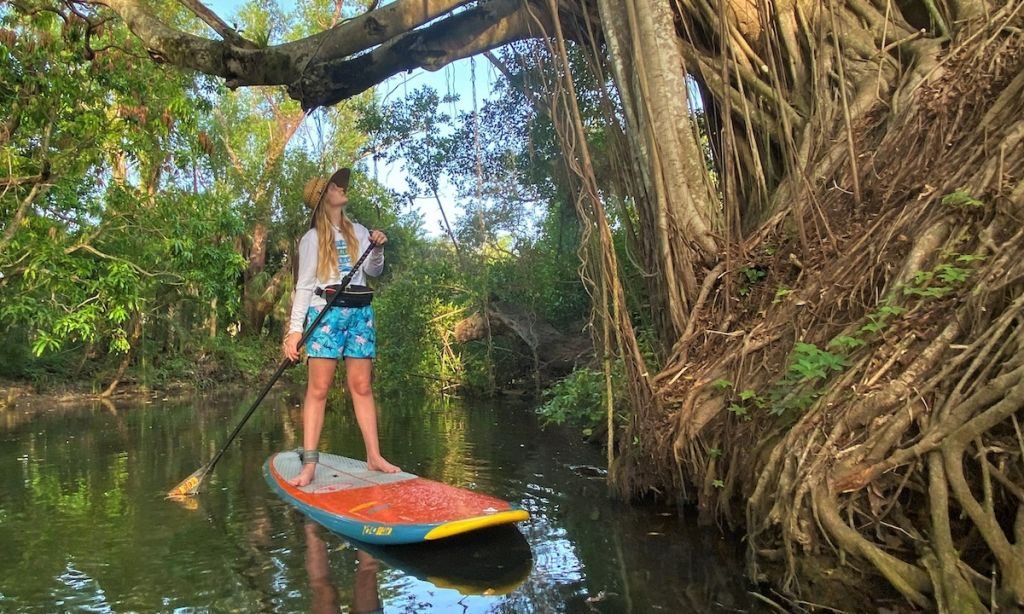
(797, 227)
(150, 217)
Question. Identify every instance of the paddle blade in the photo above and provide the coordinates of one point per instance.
(189, 487)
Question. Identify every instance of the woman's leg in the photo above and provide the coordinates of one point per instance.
(321, 374)
(359, 372)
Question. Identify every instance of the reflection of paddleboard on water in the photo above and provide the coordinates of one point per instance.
(493, 561)
(384, 508)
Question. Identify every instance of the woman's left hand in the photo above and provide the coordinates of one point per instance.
(378, 238)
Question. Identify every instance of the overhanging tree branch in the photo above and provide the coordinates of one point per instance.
(345, 60)
(470, 32)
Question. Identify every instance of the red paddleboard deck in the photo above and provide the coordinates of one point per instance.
(384, 508)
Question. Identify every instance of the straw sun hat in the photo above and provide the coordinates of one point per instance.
(313, 191)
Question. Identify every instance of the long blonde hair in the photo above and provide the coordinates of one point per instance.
(327, 251)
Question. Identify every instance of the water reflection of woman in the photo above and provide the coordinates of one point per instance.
(365, 598)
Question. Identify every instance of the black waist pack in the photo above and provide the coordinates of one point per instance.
(353, 296)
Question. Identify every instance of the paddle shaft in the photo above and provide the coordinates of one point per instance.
(287, 362)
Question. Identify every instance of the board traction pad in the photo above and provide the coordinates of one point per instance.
(334, 473)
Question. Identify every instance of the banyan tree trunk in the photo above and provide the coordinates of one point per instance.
(676, 201)
(846, 376)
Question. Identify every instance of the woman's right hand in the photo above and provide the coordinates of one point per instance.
(290, 347)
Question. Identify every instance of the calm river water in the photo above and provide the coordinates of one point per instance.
(84, 525)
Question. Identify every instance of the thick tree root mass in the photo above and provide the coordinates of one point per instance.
(864, 398)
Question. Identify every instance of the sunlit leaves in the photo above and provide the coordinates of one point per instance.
(95, 248)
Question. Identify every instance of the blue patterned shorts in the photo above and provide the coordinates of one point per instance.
(344, 331)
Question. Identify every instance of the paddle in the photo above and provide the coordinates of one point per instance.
(190, 485)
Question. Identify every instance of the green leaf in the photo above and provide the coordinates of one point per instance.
(753, 274)
(962, 199)
(845, 342)
(873, 327)
(808, 370)
(118, 314)
(923, 277)
(44, 343)
(951, 274)
(781, 293)
(891, 310)
(805, 348)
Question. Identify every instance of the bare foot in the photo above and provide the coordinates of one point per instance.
(305, 476)
(379, 464)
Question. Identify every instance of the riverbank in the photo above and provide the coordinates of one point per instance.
(21, 394)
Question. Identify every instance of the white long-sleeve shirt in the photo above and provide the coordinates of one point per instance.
(306, 281)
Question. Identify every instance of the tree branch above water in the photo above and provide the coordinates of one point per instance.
(338, 63)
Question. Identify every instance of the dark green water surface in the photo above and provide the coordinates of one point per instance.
(84, 525)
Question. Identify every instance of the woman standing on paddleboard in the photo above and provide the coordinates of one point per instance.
(326, 254)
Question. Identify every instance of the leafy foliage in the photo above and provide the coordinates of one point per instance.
(139, 236)
(101, 230)
(416, 313)
(578, 399)
(961, 199)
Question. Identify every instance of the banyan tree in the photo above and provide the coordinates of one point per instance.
(833, 254)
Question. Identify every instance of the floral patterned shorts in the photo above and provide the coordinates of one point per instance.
(344, 331)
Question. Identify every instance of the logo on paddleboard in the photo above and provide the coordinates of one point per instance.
(378, 531)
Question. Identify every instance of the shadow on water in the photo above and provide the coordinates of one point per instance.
(83, 522)
(492, 562)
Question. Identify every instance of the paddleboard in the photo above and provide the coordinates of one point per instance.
(384, 508)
